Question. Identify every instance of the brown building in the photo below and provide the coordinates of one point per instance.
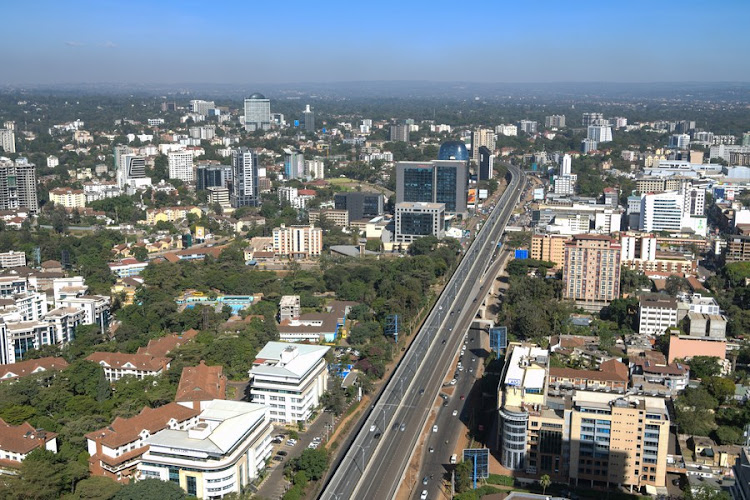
(116, 450)
(612, 376)
(591, 270)
(549, 247)
(17, 441)
(31, 366)
(738, 248)
(164, 345)
(201, 383)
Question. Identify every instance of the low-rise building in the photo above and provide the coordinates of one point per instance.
(31, 366)
(200, 385)
(221, 453)
(117, 365)
(650, 373)
(17, 441)
(116, 450)
(338, 218)
(289, 379)
(289, 307)
(12, 259)
(656, 313)
(127, 267)
(612, 376)
(317, 327)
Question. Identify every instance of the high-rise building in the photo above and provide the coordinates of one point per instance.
(315, 168)
(7, 140)
(181, 166)
(486, 164)
(695, 201)
(554, 121)
(361, 205)
(294, 164)
(481, 137)
(565, 184)
(433, 182)
(18, 185)
(201, 107)
(298, 242)
(207, 176)
(549, 247)
(308, 119)
(565, 165)
(592, 119)
(656, 313)
(588, 145)
(257, 113)
(203, 132)
(661, 211)
(244, 191)
(399, 133)
(599, 133)
(591, 271)
(527, 126)
(679, 141)
(417, 220)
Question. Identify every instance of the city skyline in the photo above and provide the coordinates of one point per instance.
(145, 43)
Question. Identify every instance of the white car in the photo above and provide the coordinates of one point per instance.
(434, 428)
(453, 382)
(372, 428)
(455, 412)
(423, 496)
(291, 442)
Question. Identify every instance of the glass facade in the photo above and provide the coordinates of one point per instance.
(513, 439)
(416, 224)
(418, 185)
(446, 180)
(453, 150)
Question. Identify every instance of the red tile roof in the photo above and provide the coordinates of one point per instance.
(164, 345)
(24, 368)
(22, 438)
(143, 362)
(202, 383)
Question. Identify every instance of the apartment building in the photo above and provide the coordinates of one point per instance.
(289, 380)
(650, 373)
(549, 247)
(656, 313)
(181, 166)
(298, 242)
(117, 365)
(31, 366)
(591, 270)
(116, 450)
(12, 259)
(67, 197)
(738, 249)
(289, 307)
(338, 218)
(17, 441)
(221, 453)
(612, 376)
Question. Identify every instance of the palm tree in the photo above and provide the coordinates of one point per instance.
(545, 481)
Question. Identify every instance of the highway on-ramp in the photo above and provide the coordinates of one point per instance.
(377, 458)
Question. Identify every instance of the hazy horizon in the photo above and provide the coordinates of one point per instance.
(273, 43)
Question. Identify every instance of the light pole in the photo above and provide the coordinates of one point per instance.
(362, 470)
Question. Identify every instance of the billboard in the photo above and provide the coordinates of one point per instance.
(200, 233)
(479, 459)
(483, 194)
(521, 254)
(472, 198)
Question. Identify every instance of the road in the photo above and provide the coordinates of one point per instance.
(374, 463)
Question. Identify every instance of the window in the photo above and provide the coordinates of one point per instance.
(192, 489)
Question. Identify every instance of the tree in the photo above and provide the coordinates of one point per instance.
(150, 489)
(705, 492)
(704, 366)
(97, 488)
(719, 387)
(728, 435)
(463, 476)
(140, 254)
(544, 482)
(312, 462)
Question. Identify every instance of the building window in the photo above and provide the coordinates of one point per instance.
(191, 486)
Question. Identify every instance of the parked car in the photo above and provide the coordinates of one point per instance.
(291, 442)
(423, 496)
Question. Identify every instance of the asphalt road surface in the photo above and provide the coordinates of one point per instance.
(377, 458)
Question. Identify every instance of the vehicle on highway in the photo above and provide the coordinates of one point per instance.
(425, 479)
(291, 442)
(395, 426)
(455, 412)
(421, 391)
(423, 496)
(403, 427)
(372, 428)
(454, 458)
(434, 428)
(432, 450)
(377, 435)
(445, 403)
(443, 342)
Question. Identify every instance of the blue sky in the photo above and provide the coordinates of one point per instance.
(282, 41)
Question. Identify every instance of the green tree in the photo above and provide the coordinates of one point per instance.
(544, 482)
(719, 387)
(150, 489)
(728, 435)
(705, 492)
(140, 254)
(97, 488)
(463, 476)
(312, 462)
(704, 366)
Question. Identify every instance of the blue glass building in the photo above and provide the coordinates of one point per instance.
(453, 150)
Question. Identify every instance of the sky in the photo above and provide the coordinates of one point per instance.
(289, 41)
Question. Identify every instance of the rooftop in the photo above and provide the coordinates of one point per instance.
(287, 360)
(201, 383)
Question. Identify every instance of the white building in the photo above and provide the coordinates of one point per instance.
(201, 107)
(637, 246)
(203, 132)
(679, 141)
(95, 307)
(181, 166)
(298, 242)
(416, 220)
(289, 380)
(315, 169)
(565, 166)
(599, 133)
(565, 184)
(12, 259)
(221, 454)
(661, 212)
(656, 313)
(52, 161)
(7, 140)
(507, 130)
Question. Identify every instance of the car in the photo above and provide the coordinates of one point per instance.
(421, 391)
(276, 441)
(403, 427)
(395, 426)
(317, 440)
(443, 342)
(425, 479)
(473, 360)
(460, 368)
(471, 370)
(278, 458)
(313, 446)
(377, 435)
(423, 496)
(434, 428)
(281, 453)
(462, 397)
(453, 382)
(455, 412)
(291, 442)
(432, 450)
(372, 428)
(279, 436)
(445, 403)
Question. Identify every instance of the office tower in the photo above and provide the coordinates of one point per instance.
(257, 113)
(592, 119)
(416, 220)
(399, 133)
(18, 185)
(527, 126)
(315, 168)
(433, 182)
(481, 137)
(132, 172)
(181, 166)
(453, 150)
(244, 190)
(212, 176)
(565, 166)
(661, 211)
(202, 132)
(8, 140)
(588, 145)
(308, 119)
(294, 164)
(591, 271)
(565, 184)
(599, 133)
(486, 164)
(695, 201)
(360, 204)
(201, 107)
(554, 121)
(679, 141)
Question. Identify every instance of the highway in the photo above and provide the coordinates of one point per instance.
(377, 458)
